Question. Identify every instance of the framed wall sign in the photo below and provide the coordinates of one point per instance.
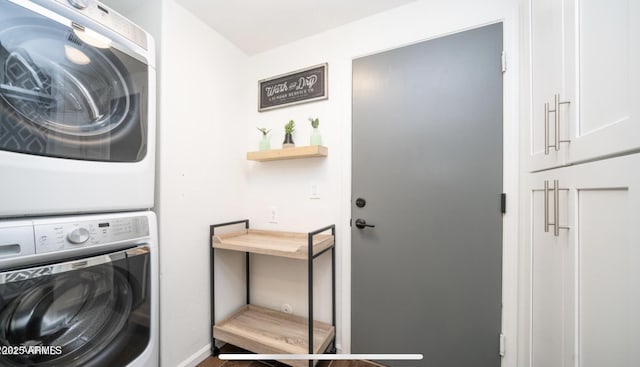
(301, 86)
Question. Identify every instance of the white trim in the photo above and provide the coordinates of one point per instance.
(511, 186)
(197, 357)
(344, 302)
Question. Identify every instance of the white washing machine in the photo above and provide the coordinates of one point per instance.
(77, 109)
(79, 291)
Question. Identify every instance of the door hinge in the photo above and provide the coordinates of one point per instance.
(503, 59)
(502, 345)
(503, 203)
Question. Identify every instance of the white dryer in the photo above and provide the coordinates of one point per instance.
(77, 109)
(79, 291)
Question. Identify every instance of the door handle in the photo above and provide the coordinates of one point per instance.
(361, 223)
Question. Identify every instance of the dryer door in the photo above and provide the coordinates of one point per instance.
(93, 312)
(68, 92)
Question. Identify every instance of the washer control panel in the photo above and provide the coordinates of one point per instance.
(69, 235)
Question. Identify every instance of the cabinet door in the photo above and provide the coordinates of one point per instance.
(585, 282)
(606, 233)
(550, 281)
(607, 79)
(547, 77)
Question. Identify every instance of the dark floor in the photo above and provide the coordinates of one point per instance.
(228, 348)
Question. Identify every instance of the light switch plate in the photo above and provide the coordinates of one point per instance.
(273, 215)
(314, 192)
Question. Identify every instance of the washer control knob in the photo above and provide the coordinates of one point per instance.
(78, 236)
(79, 4)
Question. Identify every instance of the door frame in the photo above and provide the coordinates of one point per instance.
(511, 182)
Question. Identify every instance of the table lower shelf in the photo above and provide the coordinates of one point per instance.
(265, 331)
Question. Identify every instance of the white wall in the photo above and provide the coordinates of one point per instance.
(201, 175)
(287, 184)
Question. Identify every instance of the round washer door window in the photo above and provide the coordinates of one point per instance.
(82, 311)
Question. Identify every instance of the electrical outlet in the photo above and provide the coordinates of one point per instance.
(273, 215)
(286, 308)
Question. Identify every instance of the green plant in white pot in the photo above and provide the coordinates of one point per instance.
(289, 128)
(265, 143)
(316, 138)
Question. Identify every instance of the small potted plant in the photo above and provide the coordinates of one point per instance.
(289, 128)
(265, 143)
(316, 138)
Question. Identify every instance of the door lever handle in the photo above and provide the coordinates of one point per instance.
(361, 223)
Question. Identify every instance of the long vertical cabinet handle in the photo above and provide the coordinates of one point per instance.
(556, 112)
(556, 109)
(556, 207)
(546, 129)
(546, 205)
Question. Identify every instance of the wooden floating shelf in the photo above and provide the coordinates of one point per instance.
(265, 331)
(289, 153)
(276, 243)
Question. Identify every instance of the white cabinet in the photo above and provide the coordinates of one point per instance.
(583, 80)
(607, 79)
(549, 42)
(584, 278)
(551, 288)
(581, 260)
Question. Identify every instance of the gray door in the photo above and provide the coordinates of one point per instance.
(427, 160)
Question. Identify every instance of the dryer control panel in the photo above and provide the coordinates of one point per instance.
(70, 235)
(104, 15)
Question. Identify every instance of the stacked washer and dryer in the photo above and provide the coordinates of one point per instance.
(78, 242)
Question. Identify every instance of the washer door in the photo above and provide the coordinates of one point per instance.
(76, 315)
(68, 91)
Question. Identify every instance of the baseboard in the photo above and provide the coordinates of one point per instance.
(205, 352)
(197, 357)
